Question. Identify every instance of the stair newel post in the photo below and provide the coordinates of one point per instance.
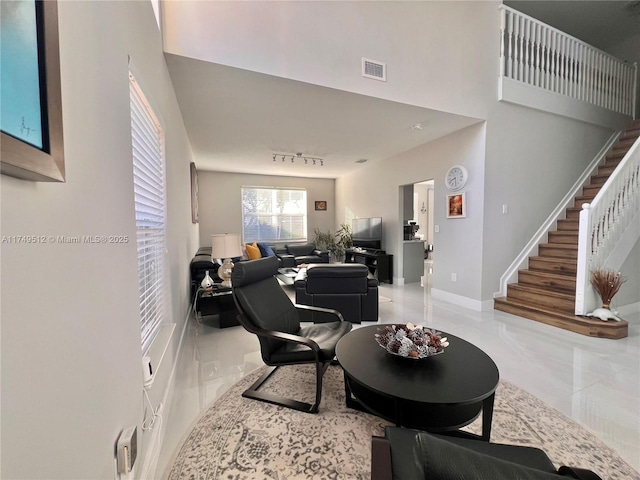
(584, 255)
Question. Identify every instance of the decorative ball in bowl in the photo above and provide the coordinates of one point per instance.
(411, 341)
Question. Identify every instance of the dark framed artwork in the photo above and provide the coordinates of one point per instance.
(456, 205)
(194, 193)
(321, 205)
(31, 112)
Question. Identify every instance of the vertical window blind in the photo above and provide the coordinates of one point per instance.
(274, 214)
(150, 210)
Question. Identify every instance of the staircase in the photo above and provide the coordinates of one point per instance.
(545, 291)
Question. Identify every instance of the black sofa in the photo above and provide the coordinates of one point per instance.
(405, 454)
(289, 256)
(200, 264)
(294, 255)
(346, 287)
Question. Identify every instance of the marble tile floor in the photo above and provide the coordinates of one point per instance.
(594, 381)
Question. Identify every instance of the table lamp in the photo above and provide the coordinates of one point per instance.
(225, 246)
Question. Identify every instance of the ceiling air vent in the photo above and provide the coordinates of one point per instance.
(374, 69)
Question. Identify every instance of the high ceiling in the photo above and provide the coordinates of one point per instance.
(237, 119)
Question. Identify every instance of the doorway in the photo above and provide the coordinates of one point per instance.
(418, 231)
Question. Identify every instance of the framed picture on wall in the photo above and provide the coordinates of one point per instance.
(194, 193)
(457, 205)
(30, 94)
(321, 205)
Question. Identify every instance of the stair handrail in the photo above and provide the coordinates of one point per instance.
(511, 273)
(604, 220)
(539, 55)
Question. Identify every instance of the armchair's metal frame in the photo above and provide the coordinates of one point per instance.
(321, 366)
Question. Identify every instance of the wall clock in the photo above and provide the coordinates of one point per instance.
(456, 177)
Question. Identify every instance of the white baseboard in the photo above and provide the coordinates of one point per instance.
(466, 302)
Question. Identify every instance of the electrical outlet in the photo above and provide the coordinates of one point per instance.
(454, 277)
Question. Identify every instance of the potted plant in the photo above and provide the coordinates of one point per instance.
(337, 251)
(345, 235)
(322, 240)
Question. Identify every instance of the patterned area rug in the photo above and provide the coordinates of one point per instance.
(238, 438)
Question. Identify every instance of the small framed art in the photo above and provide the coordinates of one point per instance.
(321, 205)
(456, 205)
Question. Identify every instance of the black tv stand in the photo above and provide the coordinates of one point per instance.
(380, 264)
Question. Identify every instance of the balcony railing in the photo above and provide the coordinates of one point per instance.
(541, 56)
(604, 221)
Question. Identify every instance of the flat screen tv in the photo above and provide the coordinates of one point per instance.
(367, 232)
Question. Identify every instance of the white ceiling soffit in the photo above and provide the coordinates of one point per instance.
(236, 119)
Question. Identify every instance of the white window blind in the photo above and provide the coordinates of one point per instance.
(274, 214)
(150, 208)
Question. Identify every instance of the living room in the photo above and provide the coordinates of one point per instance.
(71, 359)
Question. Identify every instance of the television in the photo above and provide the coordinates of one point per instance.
(367, 232)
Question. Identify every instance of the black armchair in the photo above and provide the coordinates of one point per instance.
(405, 454)
(346, 287)
(266, 310)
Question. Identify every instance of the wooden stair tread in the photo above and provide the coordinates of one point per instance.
(543, 292)
(559, 276)
(554, 260)
(553, 264)
(558, 282)
(583, 325)
(566, 224)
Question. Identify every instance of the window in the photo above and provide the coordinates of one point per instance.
(150, 208)
(274, 214)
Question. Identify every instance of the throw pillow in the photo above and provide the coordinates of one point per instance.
(266, 250)
(253, 251)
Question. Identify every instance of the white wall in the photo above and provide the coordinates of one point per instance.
(630, 291)
(71, 357)
(221, 207)
(375, 192)
(439, 54)
(533, 159)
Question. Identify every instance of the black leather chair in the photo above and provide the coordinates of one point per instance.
(346, 287)
(266, 310)
(405, 454)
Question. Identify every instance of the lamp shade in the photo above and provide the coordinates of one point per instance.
(225, 245)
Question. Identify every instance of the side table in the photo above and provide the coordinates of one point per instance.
(215, 307)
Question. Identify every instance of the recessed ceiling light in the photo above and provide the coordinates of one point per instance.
(417, 126)
(362, 160)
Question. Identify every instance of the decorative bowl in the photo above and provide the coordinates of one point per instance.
(411, 341)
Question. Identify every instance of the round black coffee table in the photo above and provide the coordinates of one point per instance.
(438, 394)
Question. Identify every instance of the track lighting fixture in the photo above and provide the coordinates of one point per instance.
(299, 156)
